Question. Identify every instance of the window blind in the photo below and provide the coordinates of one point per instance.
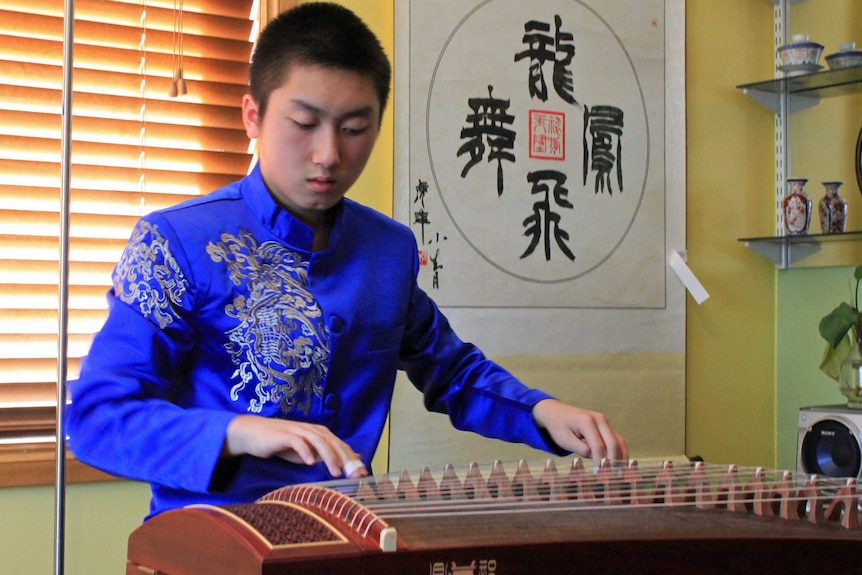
(134, 149)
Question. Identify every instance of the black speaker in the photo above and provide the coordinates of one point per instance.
(829, 442)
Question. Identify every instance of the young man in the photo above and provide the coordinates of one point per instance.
(254, 334)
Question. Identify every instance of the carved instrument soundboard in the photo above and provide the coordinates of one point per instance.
(519, 518)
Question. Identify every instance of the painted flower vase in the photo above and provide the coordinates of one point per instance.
(833, 209)
(797, 207)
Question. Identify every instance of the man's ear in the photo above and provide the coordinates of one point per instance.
(250, 116)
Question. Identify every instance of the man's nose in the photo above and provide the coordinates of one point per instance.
(326, 148)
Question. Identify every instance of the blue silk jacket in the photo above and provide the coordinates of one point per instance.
(219, 307)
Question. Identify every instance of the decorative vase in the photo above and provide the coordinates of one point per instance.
(797, 207)
(833, 209)
(850, 376)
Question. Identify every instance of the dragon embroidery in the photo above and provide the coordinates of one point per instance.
(281, 342)
(148, 274)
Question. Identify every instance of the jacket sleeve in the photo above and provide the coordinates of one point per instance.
(457, 379)
(122, 416)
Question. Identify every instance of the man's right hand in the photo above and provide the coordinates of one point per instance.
(294, 441)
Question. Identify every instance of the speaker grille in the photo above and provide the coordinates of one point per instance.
(831, 449)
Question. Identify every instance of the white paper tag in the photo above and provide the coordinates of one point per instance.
(684, 273)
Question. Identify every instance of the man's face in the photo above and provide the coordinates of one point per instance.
(315, 138)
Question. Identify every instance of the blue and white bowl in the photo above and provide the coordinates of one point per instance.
(847, 57)
(800, 52)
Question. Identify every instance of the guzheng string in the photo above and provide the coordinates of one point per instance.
(511, 488)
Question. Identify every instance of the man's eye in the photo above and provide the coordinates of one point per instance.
(354, 130)
(303, 125)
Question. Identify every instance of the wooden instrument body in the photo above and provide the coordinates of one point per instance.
(214, 542)
(515, 533)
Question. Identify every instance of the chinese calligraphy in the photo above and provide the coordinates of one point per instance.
(489, 130)
(539, 223)
(488, 119)
(463, 73)
(539, 53)
(605, 124)
(422, 218)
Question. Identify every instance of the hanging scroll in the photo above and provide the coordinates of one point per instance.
(540, 165)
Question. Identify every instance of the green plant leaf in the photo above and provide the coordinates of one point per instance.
(838, 322)
(833, 357)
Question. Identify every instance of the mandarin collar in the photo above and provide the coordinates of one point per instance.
(276, 218)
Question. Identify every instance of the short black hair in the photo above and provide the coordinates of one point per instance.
(322, 34)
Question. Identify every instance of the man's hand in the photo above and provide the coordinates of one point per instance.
(294, 441)
(587, 433)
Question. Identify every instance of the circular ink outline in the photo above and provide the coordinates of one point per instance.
(439, 188)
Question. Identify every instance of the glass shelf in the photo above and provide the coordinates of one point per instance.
(805, 90)
(787, 251)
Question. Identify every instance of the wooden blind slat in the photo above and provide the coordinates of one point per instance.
(122, 132)
(46, 174)
(43, 224)
(234, 9)
(45, 321)
(35, 248)
(231, 68)
(39, 346)
(117, 154)
(24, 273)
(105, 202)
(45, 297)
(204, 113)
(45, 18)
(33, 371)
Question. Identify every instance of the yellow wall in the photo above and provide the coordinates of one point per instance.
(740, 343)
(730, 339)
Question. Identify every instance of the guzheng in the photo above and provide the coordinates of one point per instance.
(513, 519)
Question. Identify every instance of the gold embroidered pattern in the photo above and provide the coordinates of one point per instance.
(148, 274)
(282, 342)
